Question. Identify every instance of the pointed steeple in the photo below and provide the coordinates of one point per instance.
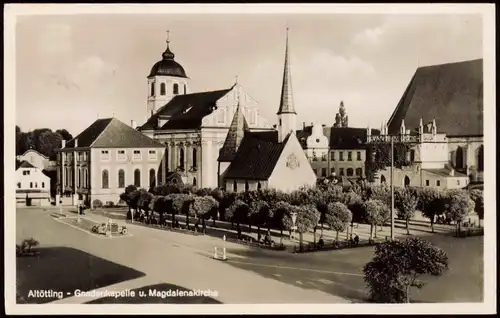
(234, 136)
(286, 102)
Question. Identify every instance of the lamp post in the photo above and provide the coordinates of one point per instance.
(294, 219)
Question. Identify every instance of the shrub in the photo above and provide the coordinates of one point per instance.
(97, 203)
(109, 204)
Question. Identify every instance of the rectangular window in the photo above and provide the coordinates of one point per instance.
(341, 156)
(152, 154)
(341, 171)
(104, 155)
(120, 155)
(323, 157)
(438, 183)
(323, 172)
(358, 154)
(349, 155)
(137, 155)
(332, 156)
(427, 182)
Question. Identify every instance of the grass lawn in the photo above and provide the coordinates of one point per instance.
(150, 297)
(65, 269)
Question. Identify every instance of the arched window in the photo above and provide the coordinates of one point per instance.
(105, 179)
(480, 158)
(43, 185)
(382, 179)
(19, 185)
(247, 187)
(359, 172)
(194, 182)
(181, 158)
(152, 179)
(350, 172)
(194, 157)
(459, 158)
(176, 89)
(36, 184)
(259, 186)
(80, 178)
(121, 178)
(153, 89)
(137, 178)
(406, 181)
(185, 89)
(31, 184)
(235, 186)
(163, 90)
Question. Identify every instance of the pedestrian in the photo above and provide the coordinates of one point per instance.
(356, 239)
(321, 243)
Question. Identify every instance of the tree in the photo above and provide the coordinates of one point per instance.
(307, 218)
(281, 212)
(180, 205)
(202, 207)
(458, 206)
(130, 197)
(338, 217)
(64, 134)
(260, 214)
(238, 212)
(373, 210)
(431, 203)
(354, 203)
(143, 203)
(160, 204)
(397, 265)
(406, 205)
(478, 198)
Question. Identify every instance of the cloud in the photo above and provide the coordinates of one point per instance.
(371, 36)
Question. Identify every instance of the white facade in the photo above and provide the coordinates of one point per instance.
(35, 158)
(32, 187)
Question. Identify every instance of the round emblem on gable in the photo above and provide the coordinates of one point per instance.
(292, 161)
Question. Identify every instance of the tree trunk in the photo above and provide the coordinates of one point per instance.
(173, 219)
(321, 229)
(371, 230)
(375, 232)
(204, 226)
(258, 232)
(459, 228)
(432, 223)
(249, 227)
(337, 236)
(281, 236)
(213, 221)
(407, 227)
(407, 294)
(187, 220)
(232, 224)
(347, 232)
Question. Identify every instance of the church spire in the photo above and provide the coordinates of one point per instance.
(286, 102)
(168, 55)
(234, 136)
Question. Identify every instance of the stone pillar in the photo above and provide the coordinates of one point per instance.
(173, 155)
(163, 169)
(185, 158)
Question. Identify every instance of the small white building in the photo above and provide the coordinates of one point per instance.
(33, 186)
(35, 158)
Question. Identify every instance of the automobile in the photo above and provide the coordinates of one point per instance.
(109, 228)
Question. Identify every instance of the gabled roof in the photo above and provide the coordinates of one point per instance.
(186, 111)
(24, 164)
(339, 138)
(35, 151)
(257, 156)
(234, 136)
(450, 93)
(112, 133)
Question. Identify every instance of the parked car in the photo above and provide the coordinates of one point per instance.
(110, 228)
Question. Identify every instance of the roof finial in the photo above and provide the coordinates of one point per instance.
(168, 55)
(168, 37)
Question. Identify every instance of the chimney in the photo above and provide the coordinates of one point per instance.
(133, 123)
(76, 143)
(63, 142)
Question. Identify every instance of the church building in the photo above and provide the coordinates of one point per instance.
(193, 125)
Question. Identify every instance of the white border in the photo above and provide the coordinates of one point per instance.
(486, 10)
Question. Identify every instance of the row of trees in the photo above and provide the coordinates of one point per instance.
(315, 207)
(43, 140)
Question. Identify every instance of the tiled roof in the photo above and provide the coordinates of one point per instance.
(444, 172)
(256, 156)
(339, 138)
(112, 133)
(234, 136)
(186, 111)
(450, 93)
(24, 164)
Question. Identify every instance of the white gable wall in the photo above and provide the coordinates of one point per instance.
(285, 177)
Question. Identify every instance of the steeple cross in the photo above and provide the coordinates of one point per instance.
(168, 36)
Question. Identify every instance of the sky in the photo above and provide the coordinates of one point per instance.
(73, 69)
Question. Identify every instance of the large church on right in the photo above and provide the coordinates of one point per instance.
(443, 106)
